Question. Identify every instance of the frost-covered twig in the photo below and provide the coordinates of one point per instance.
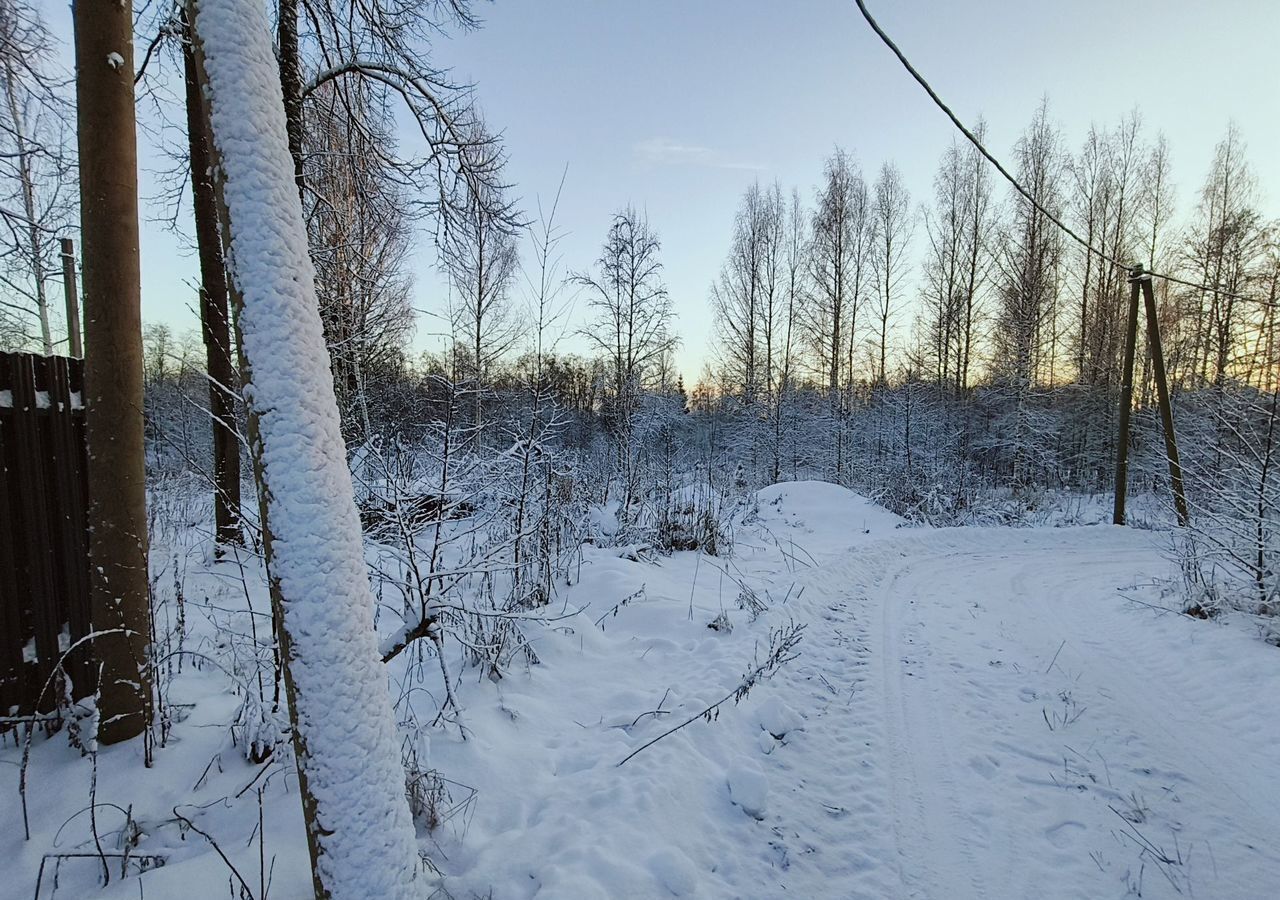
(26, 745)
(782, 645)
(244, 885)
(613, 611)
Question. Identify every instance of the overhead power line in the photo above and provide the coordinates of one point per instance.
(973, 139)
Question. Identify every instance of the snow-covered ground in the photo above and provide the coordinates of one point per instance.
(985, 713)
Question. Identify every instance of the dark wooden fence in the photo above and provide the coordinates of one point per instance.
(44, 570)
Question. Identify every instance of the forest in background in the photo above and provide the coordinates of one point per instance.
(951, 353)
(1006, 395)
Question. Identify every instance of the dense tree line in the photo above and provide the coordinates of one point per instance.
(1006, 381)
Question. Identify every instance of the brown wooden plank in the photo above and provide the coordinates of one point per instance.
(12, 676)
(70, 544)
(35, 486)
(30, 597)
(81, 620)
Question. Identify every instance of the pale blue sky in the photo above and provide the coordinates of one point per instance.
(677, 106)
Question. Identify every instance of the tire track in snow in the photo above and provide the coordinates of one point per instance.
(1000, 822)
(833, 836)
(932, 859)
(1176, 723)
(1002, 798)
(943, 766)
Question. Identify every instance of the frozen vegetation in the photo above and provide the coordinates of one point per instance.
(969, 712)
(527, 616)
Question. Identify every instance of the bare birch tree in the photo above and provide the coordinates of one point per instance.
(1226, 243)
(631, 324)
(747, 300)
(356, 57)
(358, 227)
(840, 268)
(37, 175)
(891, 227)
(956, 264)
(945, 227)
(481, 257)
(1025, 327)
(1031, 258)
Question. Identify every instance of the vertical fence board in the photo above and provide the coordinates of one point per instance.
(70, 543)
(44, 584)
(34, 554)
(12, 673)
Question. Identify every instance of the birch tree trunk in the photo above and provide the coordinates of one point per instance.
(34, 243)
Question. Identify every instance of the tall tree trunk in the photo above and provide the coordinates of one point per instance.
(113, 364)
(360, 834)
(291, 84)
(336, 333)
(214, 321)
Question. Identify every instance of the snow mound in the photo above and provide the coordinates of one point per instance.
(749, 789)
(604, 519)
(674, 872)
(777, 718)
(823, 518)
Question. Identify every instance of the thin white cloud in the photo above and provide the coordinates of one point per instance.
(662, 151)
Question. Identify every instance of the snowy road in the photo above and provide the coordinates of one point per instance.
(974, 713)
(1000, 722)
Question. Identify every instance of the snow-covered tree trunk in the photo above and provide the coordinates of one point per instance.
(359, 829)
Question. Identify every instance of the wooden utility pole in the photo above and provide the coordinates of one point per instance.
(1126, 400)
(75, 348)
(1166, 404)
(107, 141)
(1139, 281)
(214, 317)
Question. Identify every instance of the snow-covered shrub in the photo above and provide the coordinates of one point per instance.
(470, 539)
(1229, 556)
(693, 518)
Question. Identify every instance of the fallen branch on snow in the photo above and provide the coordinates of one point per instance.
(782, 644)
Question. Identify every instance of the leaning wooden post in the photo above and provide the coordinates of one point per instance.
(72, 298)
(1166, 407)
(1126, 399)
